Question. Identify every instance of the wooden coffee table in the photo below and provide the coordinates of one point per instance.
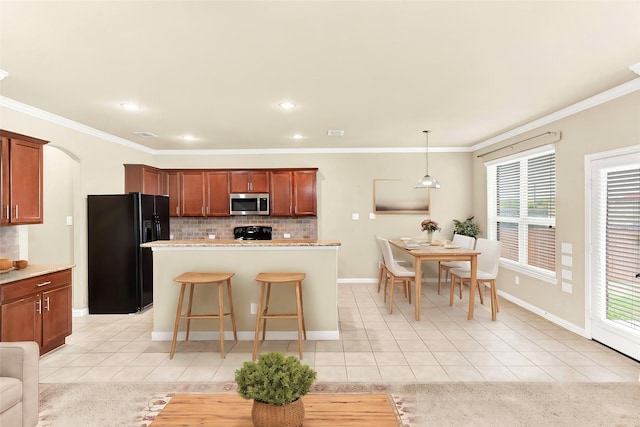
(320, 410)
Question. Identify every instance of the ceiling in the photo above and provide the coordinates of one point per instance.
(381, 71)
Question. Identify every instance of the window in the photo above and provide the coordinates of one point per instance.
(522, 210)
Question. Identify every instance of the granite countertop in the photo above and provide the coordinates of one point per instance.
(238, 243)
(32, 271)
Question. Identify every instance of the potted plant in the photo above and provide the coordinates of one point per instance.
(466, 227)
(276, 383)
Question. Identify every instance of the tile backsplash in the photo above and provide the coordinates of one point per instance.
(9, 242)
(200, 228)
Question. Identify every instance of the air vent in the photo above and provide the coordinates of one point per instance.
(146, 134)
(335, 132)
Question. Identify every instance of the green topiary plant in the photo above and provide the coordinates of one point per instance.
(274, 379)
(466, 227)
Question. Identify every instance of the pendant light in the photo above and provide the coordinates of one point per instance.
(427, 181)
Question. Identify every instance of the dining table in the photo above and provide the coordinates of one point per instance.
(423, 251)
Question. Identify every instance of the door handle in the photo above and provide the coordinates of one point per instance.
(16, 211)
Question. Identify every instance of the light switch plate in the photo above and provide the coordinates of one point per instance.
(355, 216)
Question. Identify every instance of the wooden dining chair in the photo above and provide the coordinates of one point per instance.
(487, 271)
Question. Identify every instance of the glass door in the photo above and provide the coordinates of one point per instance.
(614, 257)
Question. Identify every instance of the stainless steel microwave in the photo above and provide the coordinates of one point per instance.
(249, 204)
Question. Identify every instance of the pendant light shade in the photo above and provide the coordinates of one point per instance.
(427, 181)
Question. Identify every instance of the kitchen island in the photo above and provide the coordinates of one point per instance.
(246, 258)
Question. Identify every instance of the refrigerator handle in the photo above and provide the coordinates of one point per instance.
(156, 219)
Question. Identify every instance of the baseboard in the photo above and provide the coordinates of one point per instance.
(542, 313)
(79, 312)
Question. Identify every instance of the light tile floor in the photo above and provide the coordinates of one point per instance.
(375, 346)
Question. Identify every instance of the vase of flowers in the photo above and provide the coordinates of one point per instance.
(428, 227)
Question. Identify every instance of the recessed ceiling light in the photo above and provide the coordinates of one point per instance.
(287, 105)
(335, 132)
(3, 74)
(297, 136)
(188, 138)
(130, 106)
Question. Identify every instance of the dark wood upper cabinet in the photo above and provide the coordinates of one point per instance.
(192, 190)
(142, 179)
(172, 187)
(21, 176)
(205, 192)
(251, 181)
(293, 193)
(281, 194)
(304, 193)
(218, 193)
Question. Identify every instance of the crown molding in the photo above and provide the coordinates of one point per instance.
(601, 98)
(59, 120)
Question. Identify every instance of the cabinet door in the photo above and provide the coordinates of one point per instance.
(21, 320)
(56, 317)
(259, 181)
(4, 181)
(304, 193)
(249, 181)
(218, 193)
(192, 190)
(280, 200)
(172, 188)
(143, 179)
(150, 181)
(25, 172)
(239, 181)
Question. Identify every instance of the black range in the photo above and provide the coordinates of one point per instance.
(252, 232)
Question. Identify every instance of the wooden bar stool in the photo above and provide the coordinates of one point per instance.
(266, 280)
(191, 279)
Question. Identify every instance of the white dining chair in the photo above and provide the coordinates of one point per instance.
(383, 268)
(487, 271)
(466, 242)
(396, 273)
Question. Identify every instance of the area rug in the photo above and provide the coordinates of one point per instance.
(436, 404)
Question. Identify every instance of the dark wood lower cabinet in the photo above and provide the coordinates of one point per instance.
(37, 309)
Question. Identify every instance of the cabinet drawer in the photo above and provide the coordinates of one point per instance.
(35, 284)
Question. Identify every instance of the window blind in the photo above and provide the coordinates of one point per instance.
(522, 208)
(622, 241)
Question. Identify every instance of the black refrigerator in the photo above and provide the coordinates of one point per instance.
(120, 272)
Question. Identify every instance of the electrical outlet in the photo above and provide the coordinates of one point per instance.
(517, 280)
(355, 216)
(287, 235)
(372, 215)
(212, 236)
(254, 308)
